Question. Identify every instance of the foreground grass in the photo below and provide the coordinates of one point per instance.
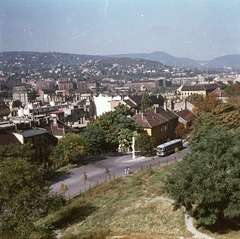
(127, 207)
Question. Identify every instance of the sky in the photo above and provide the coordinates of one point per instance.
(197, 29)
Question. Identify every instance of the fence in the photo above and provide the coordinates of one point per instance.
(109, 177)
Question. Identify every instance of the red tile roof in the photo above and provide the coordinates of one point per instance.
(59, 129)
(149, 119)
(57, 112)
(186, 115)
(166, 113)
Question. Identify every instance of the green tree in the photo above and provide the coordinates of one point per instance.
(193, 98)
(16, 103)
(13, 150)
(23, 196)
(207, 181)
(69, 149)
(201, 125)
(205, 104)
(145, 102)
(225, 115)
(122, 109)
(144, 143)
(228, 115)
(180, 130)
(232, 90)
(124, 129)
(95, 138)
(119, 127)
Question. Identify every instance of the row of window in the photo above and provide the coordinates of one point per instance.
(41, 150)
(37, 139)
(190, 93)
(161, 130)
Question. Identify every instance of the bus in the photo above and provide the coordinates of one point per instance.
(169, 147)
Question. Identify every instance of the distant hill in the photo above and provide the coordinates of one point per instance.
(128, 61)
(163, 57)
(228, 60)
(47, 60)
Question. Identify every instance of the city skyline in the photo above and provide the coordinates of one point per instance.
(200, 29)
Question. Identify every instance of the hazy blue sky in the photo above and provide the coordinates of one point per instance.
(198, 29)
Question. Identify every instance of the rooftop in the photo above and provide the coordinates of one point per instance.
(149, 119)
(32, 132)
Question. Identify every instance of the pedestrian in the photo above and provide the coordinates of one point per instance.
(126, 170)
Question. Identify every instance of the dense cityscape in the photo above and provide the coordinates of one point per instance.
(62, 112)
(119, 119)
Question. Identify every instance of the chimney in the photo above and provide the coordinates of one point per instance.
(54, 121)
(165, 105)
(171, 105)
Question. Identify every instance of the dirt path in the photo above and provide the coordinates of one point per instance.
(189, 224)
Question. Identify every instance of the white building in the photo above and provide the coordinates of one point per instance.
(104, 103)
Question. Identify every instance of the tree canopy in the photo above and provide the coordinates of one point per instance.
(232, 90)
(95, 138)
(180, 130)
(69, 149)
(225, 115)
(207, 181)
(124, 129)
(118, 126)
(13, 150)
(205, 104)
(145, 103)
(23, 193)
(144, 143)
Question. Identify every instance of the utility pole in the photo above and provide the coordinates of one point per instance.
(133, 148)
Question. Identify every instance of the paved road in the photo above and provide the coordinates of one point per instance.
(95, 170)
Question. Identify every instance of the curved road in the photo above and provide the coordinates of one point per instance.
(95, 170)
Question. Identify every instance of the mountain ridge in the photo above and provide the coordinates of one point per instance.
(160, 56)
(167, 59)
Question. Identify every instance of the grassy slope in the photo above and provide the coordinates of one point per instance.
(126, 206)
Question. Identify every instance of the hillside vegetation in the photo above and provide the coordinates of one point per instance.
(127, 206)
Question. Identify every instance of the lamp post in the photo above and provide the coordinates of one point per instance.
(133, 148)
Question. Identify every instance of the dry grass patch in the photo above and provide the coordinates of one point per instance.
(126, 207)
(121, 207)
(149, 217)
(144, 216)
